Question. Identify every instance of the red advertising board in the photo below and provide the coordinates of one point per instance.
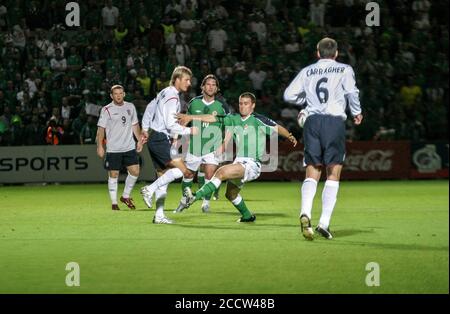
(364, 160)
(429, 160)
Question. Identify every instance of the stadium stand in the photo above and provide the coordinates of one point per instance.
(55, 78)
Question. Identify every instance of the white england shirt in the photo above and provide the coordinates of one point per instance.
(325, 86)
(118, 122)
(160, 113)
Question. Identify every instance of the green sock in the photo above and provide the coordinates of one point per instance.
(208, 197)
(207, 189)
(200, 179)
(242, 208)
(185, 184)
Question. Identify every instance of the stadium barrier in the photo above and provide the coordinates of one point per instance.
(364, 161)
(429, 160)
(65, 163)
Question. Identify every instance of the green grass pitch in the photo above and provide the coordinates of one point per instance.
(401, 225)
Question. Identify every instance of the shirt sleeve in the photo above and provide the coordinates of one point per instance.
(225, 106)
(351, 92)
(134, 118)
(267, 123)
(295, 92)
(171, 107)
(103, 119)
(148, 115)
(226, 120)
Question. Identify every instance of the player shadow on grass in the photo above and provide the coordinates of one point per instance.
(349, 232)
(233, 213)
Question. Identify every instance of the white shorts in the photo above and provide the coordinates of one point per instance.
(252, 170)
(193, 162)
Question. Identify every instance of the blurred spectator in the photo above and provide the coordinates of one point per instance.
(34, 132)
(110, 15)
(54, 133)
(257, 76)
(410, 94)
(65, 108)
(3, 18)
(173, 8)
(182, 51)
(317, 11)
(225, 38)
(217, 38)
(145, 82)
(187, 24)
(58, 63)
(258, 26)
(89, 131)
(18, 37)
(90, 107)
(77, 125)
(162, 82)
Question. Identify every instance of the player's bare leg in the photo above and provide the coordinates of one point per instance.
(113, 177)
(329, 196)
(176, 171)
(130, 181)
(309, 188)
(187, 182)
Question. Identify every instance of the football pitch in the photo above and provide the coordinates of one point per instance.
(402, 226)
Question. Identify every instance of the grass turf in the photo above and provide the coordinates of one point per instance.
(401, 225)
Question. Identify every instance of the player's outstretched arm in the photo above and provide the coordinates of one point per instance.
(286, 134)
(184, 119)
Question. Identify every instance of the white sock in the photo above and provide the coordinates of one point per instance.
(309, 188)
(160, 196)
(329, 195)
(129, 184)
(237, 200)
(216, 181)
(112, 187)
(169, 176)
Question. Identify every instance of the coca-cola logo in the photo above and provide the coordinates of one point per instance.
(372, 160)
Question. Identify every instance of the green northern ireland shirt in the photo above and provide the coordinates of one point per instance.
(249, 134)
(210, 135)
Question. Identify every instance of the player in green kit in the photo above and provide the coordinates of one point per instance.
(249, 131)
(203, 145)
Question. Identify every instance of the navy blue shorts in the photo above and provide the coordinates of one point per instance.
(159, 148)
(324, 139)
(117, 161)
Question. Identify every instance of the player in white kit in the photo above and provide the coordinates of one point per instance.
(159, 127)
(118, 121)
(325, 87)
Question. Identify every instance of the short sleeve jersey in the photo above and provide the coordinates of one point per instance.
(211, 134)
(249, 134)
(118, 122)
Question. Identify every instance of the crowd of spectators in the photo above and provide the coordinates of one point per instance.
(54, 78)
